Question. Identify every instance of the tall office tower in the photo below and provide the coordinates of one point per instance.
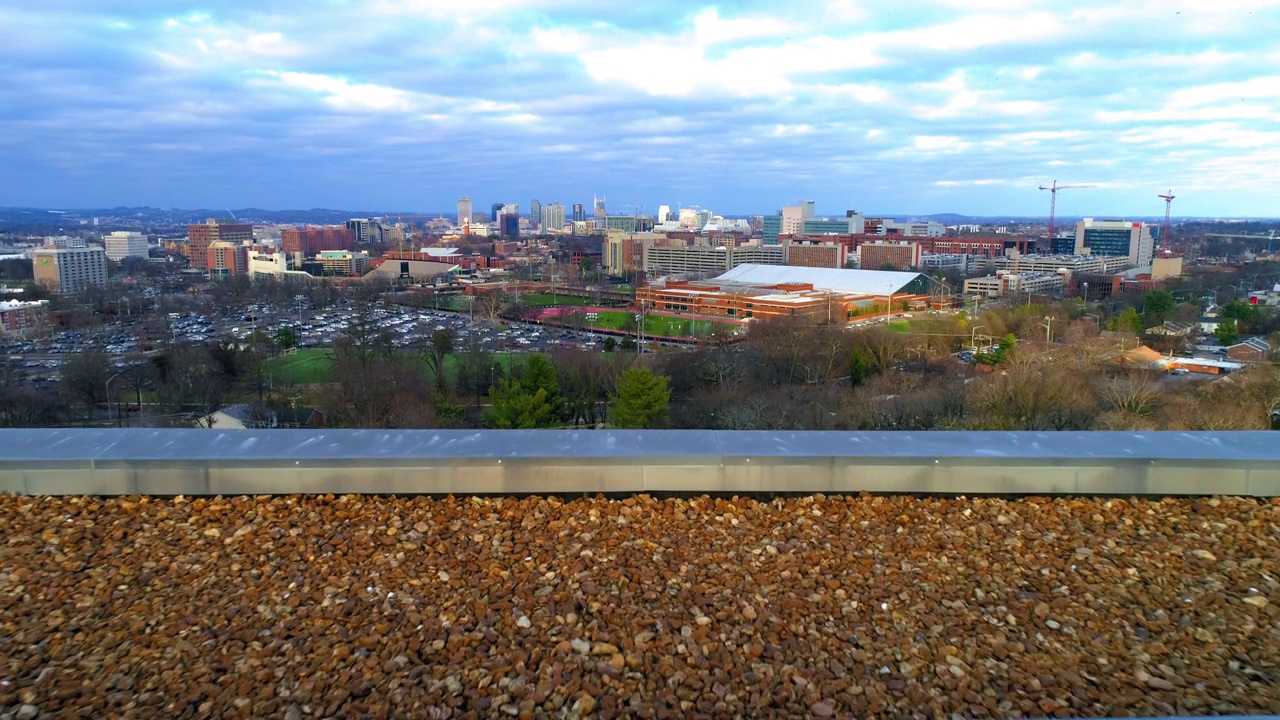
(663, 212)
(806, 208)
(66, 271)
(553, 218)
(496, 210)
(1116, 237)
(365, 230)
(535, 211)
(689, 218)
(464, 211)
(200, 237)
(793, 219)
(509, 224)
(579, 215)
(121, 244)
(598, 205)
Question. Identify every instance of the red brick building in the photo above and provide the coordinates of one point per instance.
(984, 246)
(223, 259)
(16, 316)
(200, 237)
(891, 255)
(815, 254)
(315, 240)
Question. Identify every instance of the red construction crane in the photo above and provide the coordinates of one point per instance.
(1164, 229)
(1053, 201)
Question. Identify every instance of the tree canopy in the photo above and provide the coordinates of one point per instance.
(641, 400)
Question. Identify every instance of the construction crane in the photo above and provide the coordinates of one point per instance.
(1164, 229)
(1053, 201)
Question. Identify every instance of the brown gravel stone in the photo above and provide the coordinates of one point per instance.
(322, 606)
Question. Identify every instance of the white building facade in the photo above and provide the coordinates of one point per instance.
(120, 245)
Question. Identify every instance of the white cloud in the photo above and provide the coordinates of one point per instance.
(940, 143)
(1259, 87)
(343, 95)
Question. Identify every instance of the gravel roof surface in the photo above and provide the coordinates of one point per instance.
(807, 607)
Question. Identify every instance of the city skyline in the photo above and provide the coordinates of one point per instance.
(932, 107)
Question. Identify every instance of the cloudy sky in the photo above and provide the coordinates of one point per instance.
(910, 106)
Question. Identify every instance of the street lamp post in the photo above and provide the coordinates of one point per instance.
(973, 335)
(113, 377)
(1047, 324)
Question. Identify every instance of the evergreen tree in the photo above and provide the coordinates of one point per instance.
(642, 399)
(1227, 333)
(859, 368)
(1157, 305)
(540, 374)
(514, 408)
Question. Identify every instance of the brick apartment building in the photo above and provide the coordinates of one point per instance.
(817, 254)
(16, 316)
(314, 240)
(200, 237)
(889, 255)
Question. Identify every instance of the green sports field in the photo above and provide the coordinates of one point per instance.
(549, 299)
(658, 325)
(312, 365)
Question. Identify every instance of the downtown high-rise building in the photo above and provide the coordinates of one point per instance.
(664, 211)
(464, 212)
(535, 211)
(553, 217)
(579, 215)
(598, 208)
(495, 210)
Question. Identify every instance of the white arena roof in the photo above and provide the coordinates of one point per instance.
(866, 282)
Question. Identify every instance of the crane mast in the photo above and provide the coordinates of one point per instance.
(1164, 229)
(1053, 202)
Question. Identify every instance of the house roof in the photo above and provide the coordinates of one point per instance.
(1177, 325)
(866, 282)
(1141, 356)
(1255, 343)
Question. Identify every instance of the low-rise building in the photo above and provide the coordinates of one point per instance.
(956, 262)
(277, 265)
(344, 262)
(751, 292)
(1173, 328)
(1252, 349)
(1006, 283)
(666, 260)
(17, 317)
(1073, 264)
